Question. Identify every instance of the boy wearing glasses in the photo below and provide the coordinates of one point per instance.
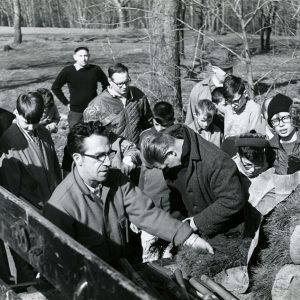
(205, 111)
(94, 203)
(286, 141)
(128, 102)
(241, 113)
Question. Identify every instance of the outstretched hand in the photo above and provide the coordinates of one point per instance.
(196, 241)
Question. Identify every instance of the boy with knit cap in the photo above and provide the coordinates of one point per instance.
(286, 141)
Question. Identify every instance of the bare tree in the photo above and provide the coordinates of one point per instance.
(164, 53)
(17, 22)
(121, 8)
(268, 16)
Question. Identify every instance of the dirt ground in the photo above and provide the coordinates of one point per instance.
(45, 51)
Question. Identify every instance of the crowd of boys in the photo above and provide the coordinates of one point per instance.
(183, 183)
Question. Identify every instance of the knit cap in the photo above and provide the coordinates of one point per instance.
(279, 103)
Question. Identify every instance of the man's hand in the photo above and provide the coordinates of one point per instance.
(190, 220)
(127, 165)
(196, 241)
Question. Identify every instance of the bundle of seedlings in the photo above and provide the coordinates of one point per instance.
(230, 251)
(275, 251)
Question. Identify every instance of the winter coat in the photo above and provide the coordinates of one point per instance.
(214, 195)
(132, 118)
(282, 162)
(102, 226)
(213, 135)
(29, 170)
(152, 182)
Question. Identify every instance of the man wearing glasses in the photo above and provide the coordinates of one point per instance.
(286, 141)
(128, 103)
(94, 203)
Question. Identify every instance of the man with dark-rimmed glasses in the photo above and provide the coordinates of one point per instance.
(94, 203)
(128, 103)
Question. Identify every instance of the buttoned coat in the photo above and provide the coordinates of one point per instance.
(102, 227)
(214, 195)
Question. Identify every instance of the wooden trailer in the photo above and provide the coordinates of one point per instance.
(71, 268)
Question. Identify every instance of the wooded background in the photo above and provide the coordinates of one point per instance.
(165, 23)
(213, 15)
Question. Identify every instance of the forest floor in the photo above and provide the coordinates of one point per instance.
(45, 51)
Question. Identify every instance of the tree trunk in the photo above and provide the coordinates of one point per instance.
(180, 26)
(121, 14)
(192, 19)
(248, 60)
(17, 22)
(262, 32)
(165, 82)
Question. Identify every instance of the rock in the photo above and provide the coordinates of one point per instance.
(287, 283)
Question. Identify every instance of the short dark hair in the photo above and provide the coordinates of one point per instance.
(154, 148)
(233, 85)
(163, 112)
(82, 48)
(117, 68)
(205, 106)
(217, 95)
(80, 131)
(47, 97)
(255, 151)
(31, 106)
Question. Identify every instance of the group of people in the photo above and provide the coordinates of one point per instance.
(128, 169)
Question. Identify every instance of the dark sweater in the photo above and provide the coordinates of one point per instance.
(82, 85)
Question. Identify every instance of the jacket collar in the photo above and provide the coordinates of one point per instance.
(275, 141)
(83, 187)
(184, 132)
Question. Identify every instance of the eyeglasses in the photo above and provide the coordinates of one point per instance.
(248, 167)
(121, 84)
(284, 119)
(102, 156)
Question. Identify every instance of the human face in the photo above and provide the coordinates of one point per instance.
(82, 57)
(120, 83)
(221, 106)
(95, 162)
(284, 128)
(23, 123)
(252, 169)
(159, 127)
(172, 160)
(203, 120)
(238, 102)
